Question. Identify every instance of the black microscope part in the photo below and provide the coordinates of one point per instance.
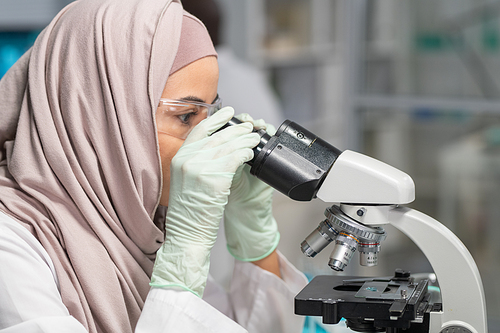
(369, 304)
(294, 161)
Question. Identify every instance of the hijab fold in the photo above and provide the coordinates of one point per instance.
(79, 158)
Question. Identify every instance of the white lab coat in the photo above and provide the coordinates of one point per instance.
(30, 300)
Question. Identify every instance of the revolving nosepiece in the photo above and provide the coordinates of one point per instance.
(347, 236)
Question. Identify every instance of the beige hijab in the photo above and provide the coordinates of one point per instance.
(79, 161)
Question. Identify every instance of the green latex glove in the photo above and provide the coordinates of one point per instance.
(250, 228)
(201, 176)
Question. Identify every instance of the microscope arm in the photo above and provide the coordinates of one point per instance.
(459, 280)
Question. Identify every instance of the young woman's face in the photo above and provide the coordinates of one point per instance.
(196, 82)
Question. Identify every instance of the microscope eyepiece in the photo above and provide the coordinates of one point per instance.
(294, 161)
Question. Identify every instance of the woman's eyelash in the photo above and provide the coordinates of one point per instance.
(186, 116)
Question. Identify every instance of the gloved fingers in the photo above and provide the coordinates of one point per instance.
(229, 139)
(257, 123)
(270, 129)
(248, 141)
(244, 117)
(238, 133)
(231, 162)
(208, 126)
(217, 154)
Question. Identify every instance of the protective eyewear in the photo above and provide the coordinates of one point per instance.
(178, 117)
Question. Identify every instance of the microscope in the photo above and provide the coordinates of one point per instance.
(365, 194)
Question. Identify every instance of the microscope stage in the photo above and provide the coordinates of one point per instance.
(369, 304)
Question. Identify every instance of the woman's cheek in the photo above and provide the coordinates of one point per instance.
(169, 146)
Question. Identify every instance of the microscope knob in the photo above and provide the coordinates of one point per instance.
(401, 274)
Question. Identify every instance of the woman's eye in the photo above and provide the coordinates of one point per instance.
(186, 117)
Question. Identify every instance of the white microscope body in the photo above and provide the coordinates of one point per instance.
(366, 194)
(370, 192)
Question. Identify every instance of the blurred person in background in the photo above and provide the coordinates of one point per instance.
(113, 183)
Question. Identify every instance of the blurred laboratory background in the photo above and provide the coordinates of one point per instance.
(415, 84)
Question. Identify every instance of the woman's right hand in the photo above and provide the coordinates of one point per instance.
(201, 176)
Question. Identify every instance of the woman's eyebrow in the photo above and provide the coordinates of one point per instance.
(192, 98)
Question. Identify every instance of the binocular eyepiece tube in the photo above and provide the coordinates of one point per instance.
(294, 161)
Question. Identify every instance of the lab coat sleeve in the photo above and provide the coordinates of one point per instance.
(29, 297)
(170, 310)
(262, 302)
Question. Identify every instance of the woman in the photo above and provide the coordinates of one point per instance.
(93, 143)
